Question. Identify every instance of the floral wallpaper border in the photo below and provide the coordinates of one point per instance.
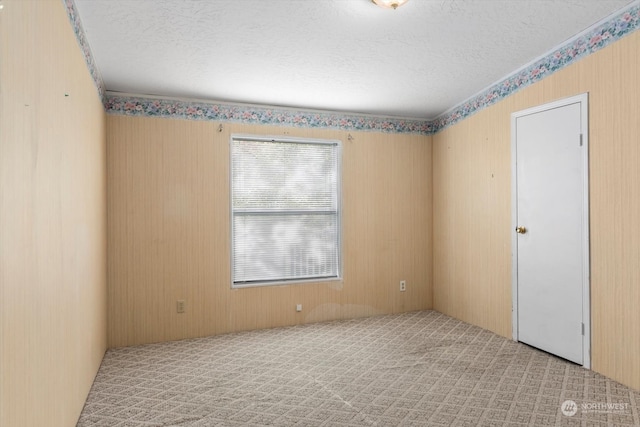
(624, 23)
(141, 106)
(74, 18)
(620, 25)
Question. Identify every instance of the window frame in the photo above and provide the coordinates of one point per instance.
(339, 209)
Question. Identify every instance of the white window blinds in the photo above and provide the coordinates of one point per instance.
(285, 206)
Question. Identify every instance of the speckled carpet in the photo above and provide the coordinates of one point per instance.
(413, 369)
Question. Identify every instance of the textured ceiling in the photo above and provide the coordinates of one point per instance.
(340, 55)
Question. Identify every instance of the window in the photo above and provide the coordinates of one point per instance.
(285, 210)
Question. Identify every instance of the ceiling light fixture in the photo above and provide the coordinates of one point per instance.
(390, 4)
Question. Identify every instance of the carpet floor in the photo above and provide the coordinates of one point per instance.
(413, 369)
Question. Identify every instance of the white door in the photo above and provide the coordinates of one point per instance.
(550, 245)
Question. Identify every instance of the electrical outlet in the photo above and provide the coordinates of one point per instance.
(298, 307)
(180, 306)
(403, 285)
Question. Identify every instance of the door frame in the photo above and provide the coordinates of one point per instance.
(583, 99)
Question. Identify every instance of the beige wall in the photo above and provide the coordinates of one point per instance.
(52, 219)
(168, 222)
(472, 222)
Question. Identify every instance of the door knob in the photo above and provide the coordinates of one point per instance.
(521, 230)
